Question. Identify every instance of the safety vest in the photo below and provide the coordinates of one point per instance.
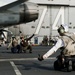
(69, 41)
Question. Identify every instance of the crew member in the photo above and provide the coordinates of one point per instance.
(66, 43)
(25, 45)
(13, 44)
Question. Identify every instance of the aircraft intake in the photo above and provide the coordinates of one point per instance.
(29, 12)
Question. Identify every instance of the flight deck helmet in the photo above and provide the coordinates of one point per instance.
(13, 36)
(61, 29)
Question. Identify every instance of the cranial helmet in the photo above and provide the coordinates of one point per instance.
(61, 29)
(13, 36)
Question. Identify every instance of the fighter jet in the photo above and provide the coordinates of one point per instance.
(17, 12)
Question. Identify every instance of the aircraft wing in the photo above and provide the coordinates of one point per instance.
(10, 5)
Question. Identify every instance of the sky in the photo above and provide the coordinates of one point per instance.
(4, 2)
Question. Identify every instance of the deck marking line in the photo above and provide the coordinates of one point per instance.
(20, 59)
(15, 68)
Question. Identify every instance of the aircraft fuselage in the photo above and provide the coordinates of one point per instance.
(22, 13)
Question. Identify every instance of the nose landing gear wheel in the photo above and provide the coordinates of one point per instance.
(69, 66)
(57, 66)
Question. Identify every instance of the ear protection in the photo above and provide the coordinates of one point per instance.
(61, 29)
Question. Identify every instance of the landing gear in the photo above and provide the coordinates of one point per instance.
(68, 64)
(57, 66)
